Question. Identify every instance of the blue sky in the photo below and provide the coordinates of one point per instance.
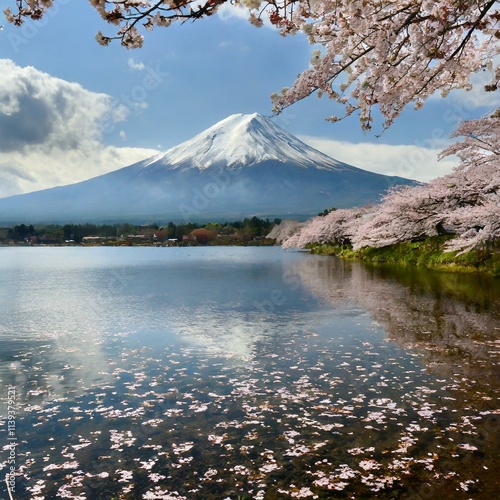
(71, 109)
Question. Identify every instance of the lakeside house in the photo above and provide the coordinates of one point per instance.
(93, 240)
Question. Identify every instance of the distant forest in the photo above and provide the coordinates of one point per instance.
(249, 231)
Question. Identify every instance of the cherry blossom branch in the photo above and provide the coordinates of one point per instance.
(385, 53)
(402, 73)
(490, 146)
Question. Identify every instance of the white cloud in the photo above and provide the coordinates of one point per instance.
(410, 161)
(23, 173)
(38, 110)
(477, 97)
(135, 65)
(51, 131)
(237, 47)
(229, 12)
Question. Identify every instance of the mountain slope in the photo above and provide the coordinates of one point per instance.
(242, 166)
(222, 146)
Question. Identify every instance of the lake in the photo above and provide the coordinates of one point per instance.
(244, 373)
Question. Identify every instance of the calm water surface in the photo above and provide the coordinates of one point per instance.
(238, 373)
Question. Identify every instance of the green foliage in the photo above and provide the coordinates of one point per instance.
(427, 253)
(326, 211)
(77, 232)
(250, 231)
(21, 232)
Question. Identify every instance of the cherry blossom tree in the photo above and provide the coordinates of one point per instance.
(285, 230)
(390, 53)
(481, 144)
(466, 202)
(373, 53)
(477, 222)
(338, 227)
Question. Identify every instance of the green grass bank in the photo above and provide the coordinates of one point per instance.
(428, 254)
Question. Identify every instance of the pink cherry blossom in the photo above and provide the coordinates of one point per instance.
(381, 53)
(465, 202)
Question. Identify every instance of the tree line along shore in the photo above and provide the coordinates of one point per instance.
(249, 231)
(427, 252)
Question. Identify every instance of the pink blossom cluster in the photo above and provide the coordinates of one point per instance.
(389, 53)
(384, 53)
(130, 16)
(466, 203)
(338, 227)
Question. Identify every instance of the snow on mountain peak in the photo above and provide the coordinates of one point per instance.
(242, 140)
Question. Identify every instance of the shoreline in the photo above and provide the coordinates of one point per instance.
(426, 254)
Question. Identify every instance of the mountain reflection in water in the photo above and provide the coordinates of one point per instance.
(216, 373)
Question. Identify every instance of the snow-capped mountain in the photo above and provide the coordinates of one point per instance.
(221, 146)
(244, 165)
